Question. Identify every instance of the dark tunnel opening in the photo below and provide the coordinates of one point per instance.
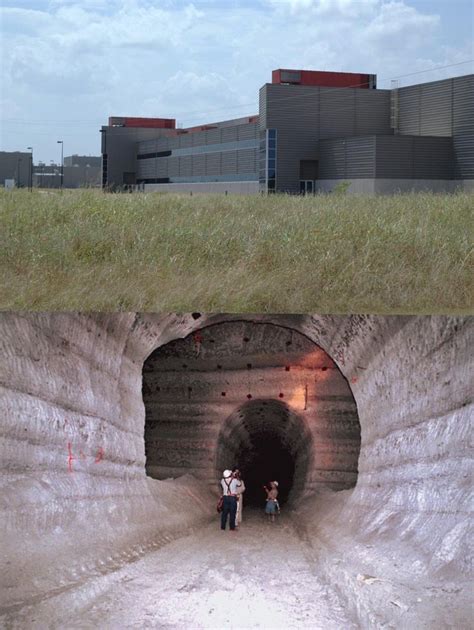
(267, 441)
(268, 461)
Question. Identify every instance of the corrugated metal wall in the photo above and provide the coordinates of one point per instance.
(464, 156)
(386, 157)
(463, 105)
(463, 126)
(303, 115)
(347, 158)
(242, 160)
(360, 157)
(432, 158)
(332, 159)
(120, 145)
(394, 157)
(442, 108)
(297, 124)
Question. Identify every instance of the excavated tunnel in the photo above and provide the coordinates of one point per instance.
(268, 441)
(258, 396)
(115, 429)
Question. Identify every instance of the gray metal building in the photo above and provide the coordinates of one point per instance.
(76, 176)
(78, 171)
(119, 147)
(86, 161)
(16, 166)
(314, 130)
(224, 152)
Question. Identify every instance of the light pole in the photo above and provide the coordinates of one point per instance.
(30, 185)
(61, 142)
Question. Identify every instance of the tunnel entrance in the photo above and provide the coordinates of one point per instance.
(267, 441)
(255, 395)
(269, 460)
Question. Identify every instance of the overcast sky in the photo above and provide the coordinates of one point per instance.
(67, 65)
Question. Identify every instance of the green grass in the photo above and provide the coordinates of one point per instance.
(330, 254)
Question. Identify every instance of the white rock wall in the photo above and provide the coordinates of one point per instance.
(71, 388)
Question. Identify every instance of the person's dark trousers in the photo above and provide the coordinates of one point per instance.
(229, 508)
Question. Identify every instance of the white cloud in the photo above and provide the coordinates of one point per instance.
(342, 8)
(197, 88)
(402, 23)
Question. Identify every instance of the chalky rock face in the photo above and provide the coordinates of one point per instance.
(259, 396)
(74, 485)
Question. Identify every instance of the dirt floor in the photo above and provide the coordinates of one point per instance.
(261, 576)
(283, 575)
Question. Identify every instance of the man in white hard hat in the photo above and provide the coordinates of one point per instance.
(229, 491)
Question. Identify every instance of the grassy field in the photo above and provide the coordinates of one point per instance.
(329, 254)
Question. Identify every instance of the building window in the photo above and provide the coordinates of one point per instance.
(268, 160)
(156, 154)
(262, 161)
(288, 76)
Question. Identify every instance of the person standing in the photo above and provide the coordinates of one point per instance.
(229, 491)
(272, 506)
(240, 498)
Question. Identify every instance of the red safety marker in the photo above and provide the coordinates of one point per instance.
(70, 457)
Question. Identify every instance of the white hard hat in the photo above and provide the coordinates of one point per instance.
(227, 473)
(276, 483)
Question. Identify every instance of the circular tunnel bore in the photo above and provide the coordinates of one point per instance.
(255, 395)
(267, 441)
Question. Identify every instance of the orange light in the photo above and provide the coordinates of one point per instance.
(298, 398)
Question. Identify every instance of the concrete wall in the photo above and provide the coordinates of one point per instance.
(244, 188)
(393, 185)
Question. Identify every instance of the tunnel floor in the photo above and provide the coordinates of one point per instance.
(290, 575)
(259, 577)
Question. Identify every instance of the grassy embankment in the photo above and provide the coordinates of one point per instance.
(89, 251)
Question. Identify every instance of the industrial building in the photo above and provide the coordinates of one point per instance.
(313, 131)
(86, 161)
(17, 170)
(79, 171)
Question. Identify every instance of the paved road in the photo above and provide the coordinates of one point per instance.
(262, 576)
